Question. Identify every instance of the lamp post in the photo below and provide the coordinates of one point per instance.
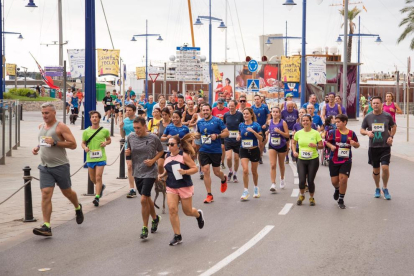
(90, 61)
(146, 35)
(270, 38)
(359, 35)
(222, 26)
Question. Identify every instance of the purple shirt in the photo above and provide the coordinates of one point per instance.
(281, 142)
(290, 117)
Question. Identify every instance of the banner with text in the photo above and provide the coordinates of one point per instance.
(140, 71)
(108, 62)
(290, 69)
(11, 69)
(316, 70)
(76, 62)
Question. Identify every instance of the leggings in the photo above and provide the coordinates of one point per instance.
(307, 168)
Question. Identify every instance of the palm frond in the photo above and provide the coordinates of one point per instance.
(412, 44)
(407, 9)
(408, 30)
(406, 20)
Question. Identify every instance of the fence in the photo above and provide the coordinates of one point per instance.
(10, 116)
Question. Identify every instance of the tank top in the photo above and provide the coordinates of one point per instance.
(51, 156)
(171, 181)
(188, 116)
(387, 108)
(332, 111)
(277, 141)
(161, 129)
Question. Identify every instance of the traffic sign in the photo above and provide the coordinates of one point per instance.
(153, 77)
(253, 66)
(253, 85)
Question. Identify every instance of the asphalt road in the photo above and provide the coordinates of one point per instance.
(370, 237)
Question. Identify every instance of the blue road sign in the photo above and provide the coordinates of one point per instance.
(292, 88)
(253, 85)
(253, 65)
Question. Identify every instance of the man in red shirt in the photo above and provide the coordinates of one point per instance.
(219, 112)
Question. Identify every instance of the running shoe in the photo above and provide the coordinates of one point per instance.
(264, 150)
(103, 188)
(287, 160)
(209, 199)
(103, 119)
(223, 187)
(387, 195)
(282, 184)
(201, 175)
(144, 233)
(79, 215)
(336, 194)
(96, 202)
(200, 219)
(260, 161)
(300, 200)
(273, 188)
(131, 194)
(43, 231)
(155, 223)
(176, 240)
(229, 176)
(223, 167)
(312, 201)
(256, 193)
(341, 204)
(107, 121)
(245, 195)
(377, 193)
(235, 180)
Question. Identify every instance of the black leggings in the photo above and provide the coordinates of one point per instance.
(307, 168)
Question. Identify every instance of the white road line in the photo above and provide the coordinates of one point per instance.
(295, 193)
(294, 169)
(296, 181)
(239, 251)
(286, 209)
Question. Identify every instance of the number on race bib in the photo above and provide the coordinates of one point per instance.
(43, 143)
(108, 103)
(95, 154)
(378, 127)
(306, 154)
(343, 152)
(233, 134)
(275, 141)
(247, 144)
(206, 140)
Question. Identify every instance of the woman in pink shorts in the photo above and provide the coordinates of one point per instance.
(179, 165)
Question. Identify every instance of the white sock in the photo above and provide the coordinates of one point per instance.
(246, 189)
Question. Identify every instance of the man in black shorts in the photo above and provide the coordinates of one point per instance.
(145, 149)
(107, 102)
(380, 128)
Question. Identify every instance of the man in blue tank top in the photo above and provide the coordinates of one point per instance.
(262, 115)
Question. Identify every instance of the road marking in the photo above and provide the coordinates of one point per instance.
(239, 251)
(295, 193)
(296, 181)
(294, 169)
(286, 209)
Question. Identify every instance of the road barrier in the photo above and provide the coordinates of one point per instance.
(28, 206)
(122, 161)
(10, 116)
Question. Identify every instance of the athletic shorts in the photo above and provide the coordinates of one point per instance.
(222, 141)
(112, 107)
(252, 154)
(232, 146)
(336, 169)
(67, 104)
(184, 192)
(107, 108)
(210, 158)
(92, 165)
(379, 156)
(144, 185)
(116, 110)
(59, 175)
(280, 150)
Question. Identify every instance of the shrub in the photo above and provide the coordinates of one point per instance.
(25, 92)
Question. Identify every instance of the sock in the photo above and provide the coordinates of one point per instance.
(246, 189)
(302, 195)
(225, 178)
(210, 194)
(274, 183)
(231, 170)
(97, 196)
(47, 224)
(341, 197)
(336, 189)
(132, 190)
(78, 208)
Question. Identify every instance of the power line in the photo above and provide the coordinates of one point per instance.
(107, 25)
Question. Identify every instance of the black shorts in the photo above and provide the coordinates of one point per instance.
(112, 107)
(281, 150)
(107, 108)
(379, 156)
(210, 158)
(116, 110)
(128, 157)
(222, 141)
(252, 154)
(232, 146)
(336, 169)
(144, 185)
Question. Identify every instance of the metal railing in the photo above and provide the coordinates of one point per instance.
(10, 116)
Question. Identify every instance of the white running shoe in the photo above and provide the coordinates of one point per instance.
(273, 188)
(256, 192)
(245, 195)
(282, 183)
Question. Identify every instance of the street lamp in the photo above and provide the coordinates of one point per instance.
(146, 35)
(222, 27)
(269, 42)
(289, 4)
(339, 40)
(31, 5)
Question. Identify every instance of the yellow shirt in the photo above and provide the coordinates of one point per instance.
(153, 125)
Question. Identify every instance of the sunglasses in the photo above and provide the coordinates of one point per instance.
(171, 144)
(243, 101)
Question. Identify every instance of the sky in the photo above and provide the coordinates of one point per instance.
(246, 21)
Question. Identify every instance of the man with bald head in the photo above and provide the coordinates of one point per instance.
(290, 115)
(316, 119)
(312, 101)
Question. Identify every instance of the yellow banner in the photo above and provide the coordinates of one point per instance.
(11, 69)
(108, 62)
(216, 73)
(290, 69)
(140, 71)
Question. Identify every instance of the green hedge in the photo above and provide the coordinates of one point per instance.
(25, 92)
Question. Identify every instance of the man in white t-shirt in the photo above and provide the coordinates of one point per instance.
(69, 96)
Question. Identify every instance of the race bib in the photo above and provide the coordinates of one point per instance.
(247, 144)
(155, 130)
(233, 134)
(108, 103)
(306, 154)
(343, 152)
(378, 127)
(93, 154)
(43, 143)
(275, 141)
(206, 140)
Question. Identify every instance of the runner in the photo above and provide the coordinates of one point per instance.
(262, 115)
(219, 112)
(211, 130)
(197, 141)
(145, 149)
(126, 127)
(166, 120)
(181, 188)
(176, 128)
(309, 141)
(74, 109)
(69, 96)
(54, 138)
(180, 106)
(107, 102)
(189, 116)
(380, 128)
(94, 141)
(149, 106)
(341, 142)
(154, 123)
(290, 115)
(288, 98)
(330, 108)
(250, 135)
(279, 132)
(338, 100)
(390, 106)
(232, 120)
(298, 126)
(314, 103)
(316, 119)
(242, 103)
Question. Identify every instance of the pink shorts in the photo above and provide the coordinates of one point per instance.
(185, 192)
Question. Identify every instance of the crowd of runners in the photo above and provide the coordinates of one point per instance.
(170, 141)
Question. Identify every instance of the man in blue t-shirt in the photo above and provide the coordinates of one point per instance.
(211, 129)
(312, 100)
(316, 119)
(220, 96)
(262, 116)
(149, 106)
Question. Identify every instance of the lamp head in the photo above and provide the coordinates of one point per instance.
(378, 41)
(198, 23)
(339, 40)
(289, 4)
(31, 5)
(222, 27)
(159, 39)
(20, 37)
(133, 39)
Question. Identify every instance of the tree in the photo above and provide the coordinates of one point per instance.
(409, 21)
(352, 14)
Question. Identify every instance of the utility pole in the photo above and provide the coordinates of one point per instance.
(345, 66)
(60, 33)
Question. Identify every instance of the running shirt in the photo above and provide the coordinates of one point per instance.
(75, 102)
(128, 128)
(180, 109)
(69, 95)
(298, 126)
(153, 126)
(290, 118)
(248, 139)
(232, 122)
(173, 130)
(276, 140)
(316, 105)
(96, 152)
(216, 103)
(219, 113)
(149, 107)
(387, 108)
(171, 181)
(343, 110)
(303, 138)
(380, 125)
(342, 153)
(332, 111)
(317, 120)
(107, 100)
(206, 128)
(114, 98)
(261, 113)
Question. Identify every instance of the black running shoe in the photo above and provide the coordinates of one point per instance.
(341, 204)
(131, 194)
(144, 233)
(200, 219)
(336, 194)
(43, 231)
(96, 202)
(260, 161)
(176, 240)
(201, 176)
(79, 215)
(103, 188)
(155, 223)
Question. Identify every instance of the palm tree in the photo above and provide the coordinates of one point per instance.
(409, 21)
(352, 14)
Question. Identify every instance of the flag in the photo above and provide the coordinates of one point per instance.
(48, 80)
(364, 8)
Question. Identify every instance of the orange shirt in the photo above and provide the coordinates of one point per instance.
(79, 95)
(247, 105)
(227, 91)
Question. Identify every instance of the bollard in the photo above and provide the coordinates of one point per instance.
(21, 112)
(91, 187)
(112, 125)
(28, 208)
(122, 161)
(83, 120)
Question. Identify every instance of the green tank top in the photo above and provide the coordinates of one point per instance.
(51, 156)
(370, 109)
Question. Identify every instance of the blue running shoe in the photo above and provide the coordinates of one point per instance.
(377, 193)
(387, 195)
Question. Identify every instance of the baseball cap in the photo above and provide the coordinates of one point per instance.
(289, 95)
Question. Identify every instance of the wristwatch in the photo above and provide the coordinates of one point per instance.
(54, 143)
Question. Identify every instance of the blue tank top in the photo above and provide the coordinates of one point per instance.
(332, 111)
(277, 141)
